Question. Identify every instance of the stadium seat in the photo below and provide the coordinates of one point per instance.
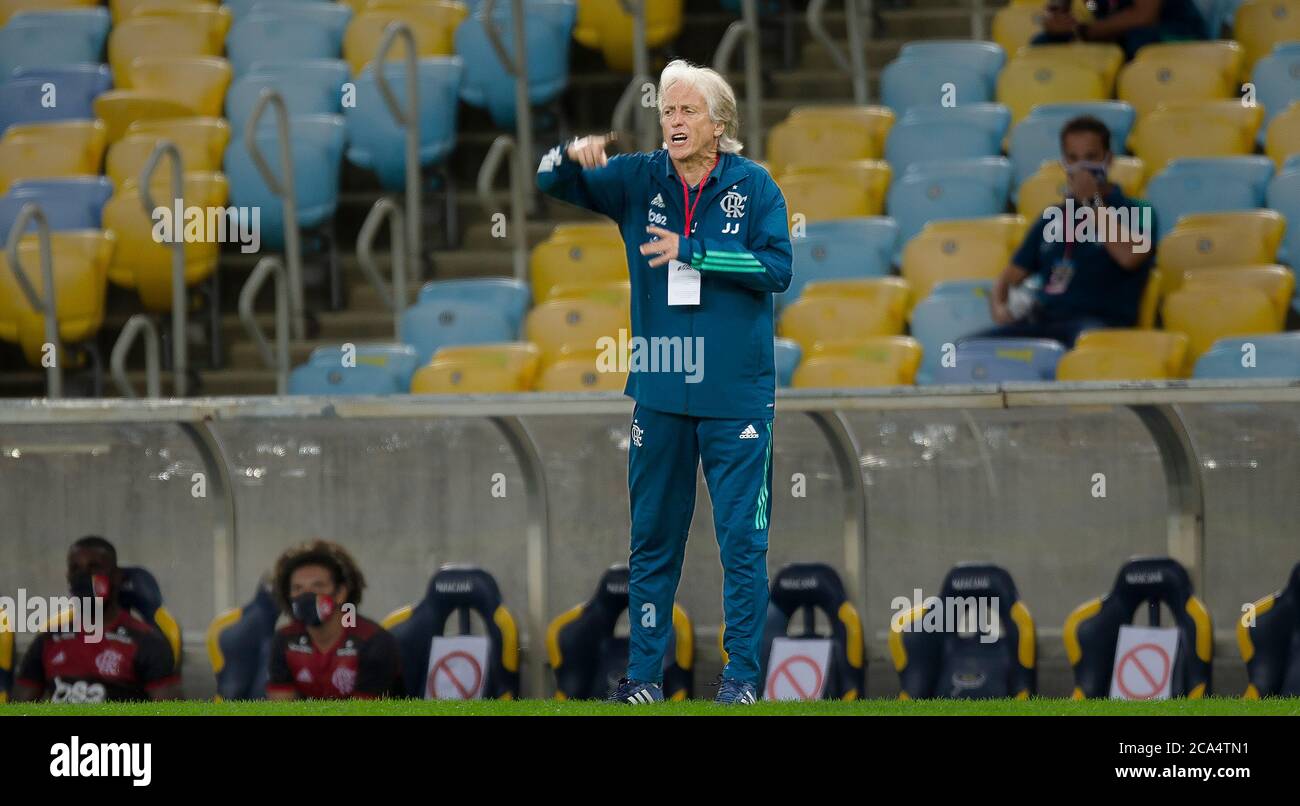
(6, 658)
(52, 38)
(1015, 24)
(302, 94)
(118, 109)
(478, 369)
(579, 257)
(200, 82)
(1210, 312)
(935, 133)
(1169, 348)
(1037, 138)
(812, 318)
(201, 141)
(835, 190)
(963, 661)
(619, 294)
(840, 250)
(376, 142)
(936, 255)
(605, 25)
(786, 354)
(1110, 364)
(123, 9)
(49, 150)
(458, 590)
(1275, 281)
(1046, 187)
(1257, 356)
(268, 34)
(1024, 84)
(1208, 185)
(986, 58)
(560, 325)
(141, 594)
(872, 361)
(370, 369)
(1009, 226)
(582, 371)
(335, 15)
(429, 326)
(169, 35)
(1147, 82)
(239, 647)
(1092, 630)
(507, 295)
(940, 189)
(10, 8)
(935, 78)
(588, 658)
(800, 592)
(819, 135)
(1282, 137)
(952, 311)
(1105, 58)
(46, 95)
(1194, 129)
(433, 24)
(984, 360)
(1267, 635)
(1226, 55)
(1276, 86)
(1214, 239)
(1261, 24)
(1284, 197)
(70, 203)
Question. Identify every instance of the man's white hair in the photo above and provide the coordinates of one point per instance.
(718, 96)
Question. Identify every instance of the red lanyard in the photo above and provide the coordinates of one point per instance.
(686, 195)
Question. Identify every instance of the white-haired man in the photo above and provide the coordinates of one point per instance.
(708, 243)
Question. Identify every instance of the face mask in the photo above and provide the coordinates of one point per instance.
(313, 609)
(87, 585)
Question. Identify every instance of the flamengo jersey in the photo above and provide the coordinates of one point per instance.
(131, 660)
(363, 663)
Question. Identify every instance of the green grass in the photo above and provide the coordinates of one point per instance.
(1215, 706)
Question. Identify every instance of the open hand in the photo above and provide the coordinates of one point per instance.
(664, 249)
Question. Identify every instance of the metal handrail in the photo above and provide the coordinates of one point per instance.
(518, 217)
(645, 135)
(285, 191)
(122, 347)
(395, 296)
(852, 65)
(180, 310)
(279, 361)
(408, 119)
(32, 210)
(747, 27)
(977, 31)
(517, 67)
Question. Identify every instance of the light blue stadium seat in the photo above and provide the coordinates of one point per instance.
(487, 85)
(844, 249)
(381, 369)
(1277, 84)
(74, 89)
(431, 326)
(910, 83)
(952, 311)
(1038, 137)
(787, 355)
(936, 133)
(336, 15)
(376, 142)
(51, 38)
(506, 294)
(1284, 196)
(1277, 355)
(242, 8)
(302, 94)
(330, 74)
(316, 146)
(985, 58)
(943, 189)
(273, 34)
(69, 203)
(999, 360)
(1207, 185)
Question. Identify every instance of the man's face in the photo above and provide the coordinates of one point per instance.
(688, 129)
(1083, 147)
(313, 579)
(92, 561)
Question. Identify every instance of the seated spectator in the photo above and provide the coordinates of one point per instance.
(328, 650)
(1092, 275)
(1130, 23)
(107, 656)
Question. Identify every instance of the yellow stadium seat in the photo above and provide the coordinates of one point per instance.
(1193, 247)
(1263, 226)
(840, 190)
(1274, 280)
(1014, 25)
(821, 135)
(1261, 24)
(809, 320)
(1167, 347)
(8, 8)
(1209, 312)
(1011, 226)
(879, 119)
(144, 264)
(586, 231)
(1282, 138)
(214, 19)
(1145, 83)
(843, 372)
(901, 354)
(891, 294)
(1224, 54)
(1104, 57)
(934, 256)
(63, 148)
(583, 371)
(80, 263)
(1109, 364)
(1150, 301)
(1047, 186)
(478, 369)
(613, 293)
(433, 25)
(1171, 132)
(120, 108)
(159, 35)
(199, 82)
(121, 9)
(574, 325)
(603, 25)
(1247, 119)
(563, 262)
(202, 143)
(1025, 83)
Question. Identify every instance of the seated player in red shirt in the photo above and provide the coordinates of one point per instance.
(122, 659)
(329, 650)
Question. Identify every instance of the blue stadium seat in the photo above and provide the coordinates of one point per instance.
(336, 15)
(52, 38)
(317, 151)
(954, 310)
(917, 77)
(942, 189)
(506, 294)
(304, 94)
(1277, 355)
(998, 360)
(242, 8)
(843, 249)
(788, 355)
(1284, 196)
(1207, 185)
(75, 87)
(376, 142)
(68, 203)
(381, 369)
(323, 74)
(1277, 84)
(1038, 137)
(936, 133)
(985, 58)
(487, 85)
(141, 593)
(430, 326)
(239, 647)
(273, 34)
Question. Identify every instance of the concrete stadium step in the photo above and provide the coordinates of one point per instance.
(335, 326)
(245, 356)
(879, 52)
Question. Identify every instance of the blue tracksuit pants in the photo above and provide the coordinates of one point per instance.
(664, 452)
